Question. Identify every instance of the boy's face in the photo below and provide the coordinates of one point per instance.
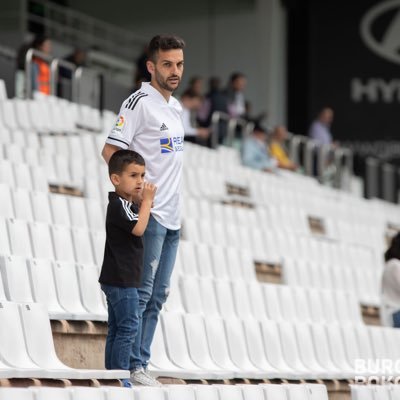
(129, 183)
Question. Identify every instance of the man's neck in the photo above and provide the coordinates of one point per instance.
(164, 93)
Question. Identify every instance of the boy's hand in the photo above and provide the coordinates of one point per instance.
(149, 192)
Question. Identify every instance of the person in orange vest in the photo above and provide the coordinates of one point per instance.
(41, 68)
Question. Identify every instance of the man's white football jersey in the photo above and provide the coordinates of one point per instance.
(153, 127)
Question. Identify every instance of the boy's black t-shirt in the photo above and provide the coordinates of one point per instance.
(123, 253)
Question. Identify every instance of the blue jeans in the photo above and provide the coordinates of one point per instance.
(123, 321)
(160, 248)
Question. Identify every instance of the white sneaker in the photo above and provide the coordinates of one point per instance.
(140, 377)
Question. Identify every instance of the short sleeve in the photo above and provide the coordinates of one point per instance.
(125, 127)
(123, 215)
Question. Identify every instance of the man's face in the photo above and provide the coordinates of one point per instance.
(240, 84)
(167, 70)
(326, 116)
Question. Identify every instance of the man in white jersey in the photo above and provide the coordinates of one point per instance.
(150, 123)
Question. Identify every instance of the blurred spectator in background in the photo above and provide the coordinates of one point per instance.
(41, 68)
(390, 303)
(78, 58)
(215, 100)
(277, 148)
(196, 85)
(320, 132)
(255, 151)
(250, 117)
(142, 74)
(191, 102)
(235, 95)
(320, 129)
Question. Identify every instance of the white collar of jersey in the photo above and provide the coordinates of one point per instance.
(147, 88)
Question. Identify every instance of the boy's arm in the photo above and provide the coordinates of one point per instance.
(149, 191)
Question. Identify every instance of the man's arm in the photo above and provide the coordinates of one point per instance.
(108, 151)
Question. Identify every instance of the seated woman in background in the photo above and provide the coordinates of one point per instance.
(390, 302)
(276, 147)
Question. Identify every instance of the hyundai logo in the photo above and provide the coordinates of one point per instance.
(388, 45)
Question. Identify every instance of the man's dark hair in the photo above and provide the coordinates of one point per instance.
(190, 94)
(235, 76)
(121, 158)
(164, 42)
(394, 250)
(39, 40)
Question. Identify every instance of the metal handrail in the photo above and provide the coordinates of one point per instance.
(310, 146)
(216, 117)
(294, 147)
(77, 80)
(91, 31)
(324, 154)
(54, 68)
(30, 54)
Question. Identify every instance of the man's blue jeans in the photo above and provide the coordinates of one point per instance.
(123, 322)
(160, 248)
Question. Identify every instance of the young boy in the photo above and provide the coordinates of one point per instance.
(123, 255)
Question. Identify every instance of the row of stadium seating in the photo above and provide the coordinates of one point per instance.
(172, 392)
(195, 346)
(219, 322)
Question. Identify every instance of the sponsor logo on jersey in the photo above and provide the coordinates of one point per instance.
(163, 127)
(171, 144)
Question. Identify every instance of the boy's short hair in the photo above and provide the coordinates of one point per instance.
(121, 158)
(164, 42)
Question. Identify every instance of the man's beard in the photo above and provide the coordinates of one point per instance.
(164, 83)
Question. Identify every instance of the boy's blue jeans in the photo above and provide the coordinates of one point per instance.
(123, 322)
(160, 248)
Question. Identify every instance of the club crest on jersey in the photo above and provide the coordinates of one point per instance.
(171, 144)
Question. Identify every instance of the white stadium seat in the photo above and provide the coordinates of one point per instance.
(149, 393)
(68, 290)
(50, 393)
(59, 208)
(41, 206)
(198, 345)
(6, 201)
(19, 237)
(62, 241)
(15, 276)
(42, 282)
(42, 244)
(275, 392)
(90, 291)
(82, 246)
(176, 344)
(14, 393)
(40, 347)
(118, 393)
(180, 392)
